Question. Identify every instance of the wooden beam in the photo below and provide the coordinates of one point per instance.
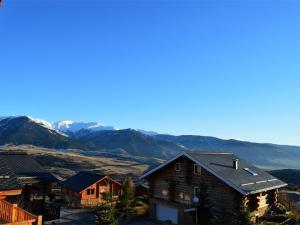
(10, 192)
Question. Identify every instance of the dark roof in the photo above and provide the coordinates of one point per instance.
(25, 168)
(8, 180)
(82, 180)
(221, 165)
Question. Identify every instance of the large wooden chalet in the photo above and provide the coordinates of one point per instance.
(90, 189)
(230, 182)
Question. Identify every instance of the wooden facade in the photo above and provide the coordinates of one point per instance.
(175, 186)
(95, 194)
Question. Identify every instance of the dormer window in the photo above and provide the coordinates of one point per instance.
(178, 167)
(197, 169)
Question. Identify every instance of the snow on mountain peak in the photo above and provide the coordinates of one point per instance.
(70, 126)
(65, 126)
(42, 122)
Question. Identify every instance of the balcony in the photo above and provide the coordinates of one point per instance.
(11, 214)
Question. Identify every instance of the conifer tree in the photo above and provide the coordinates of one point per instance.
(127, 199)
(106, 215)
(243, 216)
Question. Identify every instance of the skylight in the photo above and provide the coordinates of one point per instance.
(250, 171)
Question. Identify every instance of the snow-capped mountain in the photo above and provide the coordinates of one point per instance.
(70, 126)
(24, 130)
(41, 122)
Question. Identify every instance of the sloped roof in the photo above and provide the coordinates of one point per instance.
(221, 165)
(8, 180)
(82, 180)
(25, 168)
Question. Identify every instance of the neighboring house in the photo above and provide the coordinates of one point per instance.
(10, 187)
(230, 181)
(35, 180)
(290, 199)
(90, 189)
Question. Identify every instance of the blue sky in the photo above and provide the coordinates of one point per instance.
(227, 69)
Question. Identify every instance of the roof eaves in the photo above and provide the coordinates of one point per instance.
(267, 189)
(92, 184)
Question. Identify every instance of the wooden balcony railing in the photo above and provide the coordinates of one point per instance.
(11, 214)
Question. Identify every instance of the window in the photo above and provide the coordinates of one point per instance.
(196, 191)
(164, 192)
(178, 167)
(90, 191)
(197, 169)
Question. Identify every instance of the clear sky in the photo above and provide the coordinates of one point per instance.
(226, 69)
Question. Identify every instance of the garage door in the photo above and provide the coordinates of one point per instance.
(164, 212)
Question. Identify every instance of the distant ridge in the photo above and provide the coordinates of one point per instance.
(25, 130)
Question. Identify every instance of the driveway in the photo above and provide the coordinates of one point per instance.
(73, 217)
(86, 217)
(143, 222)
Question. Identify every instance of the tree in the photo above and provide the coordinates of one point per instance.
(106, 215)
(127, 199)
(204, 207)
(243, 217)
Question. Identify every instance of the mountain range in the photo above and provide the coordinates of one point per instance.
(92, 136)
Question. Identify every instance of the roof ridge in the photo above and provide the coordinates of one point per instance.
(211, 153)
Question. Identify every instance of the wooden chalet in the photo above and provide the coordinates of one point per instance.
(11, 214)
(35, 180)
(230, 181)
(90, 189)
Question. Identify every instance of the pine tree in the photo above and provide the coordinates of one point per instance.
(127, 199)
(106, 215)
(204, 207)
(243, 216)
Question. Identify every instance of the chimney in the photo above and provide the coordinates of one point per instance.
(236, 164)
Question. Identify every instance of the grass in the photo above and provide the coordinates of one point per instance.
(269, 223)
(67, 162)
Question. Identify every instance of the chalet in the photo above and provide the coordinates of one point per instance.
(36, 183)
(230, 182)
(10, 187)
(35, 180)
(90, 189)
